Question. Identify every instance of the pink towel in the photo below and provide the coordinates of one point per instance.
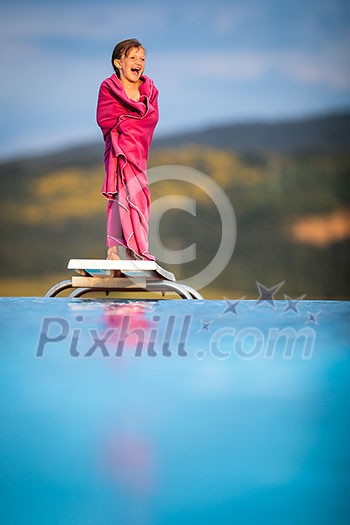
(127, 128)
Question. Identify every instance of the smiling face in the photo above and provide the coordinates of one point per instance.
(132, 65)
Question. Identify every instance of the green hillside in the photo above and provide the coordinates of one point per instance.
(288, 183)
(291, 210)
(326, 133)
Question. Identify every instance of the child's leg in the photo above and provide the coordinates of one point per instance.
(115, 235)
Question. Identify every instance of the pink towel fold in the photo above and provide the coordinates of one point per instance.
(127, 128)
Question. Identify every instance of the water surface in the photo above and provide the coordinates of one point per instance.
(174, 412)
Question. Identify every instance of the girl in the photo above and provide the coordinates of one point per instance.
(127, 113)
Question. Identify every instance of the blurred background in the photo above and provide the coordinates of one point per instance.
(255, 94)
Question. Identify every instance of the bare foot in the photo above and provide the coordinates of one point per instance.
(113, 255)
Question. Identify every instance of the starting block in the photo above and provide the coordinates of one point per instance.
(120, 275)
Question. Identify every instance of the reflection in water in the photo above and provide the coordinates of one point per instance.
(130, 326)
(128, 463)
(128, 454)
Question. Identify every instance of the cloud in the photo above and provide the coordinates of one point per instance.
(94, 21)
(230, 17)
(327, 68)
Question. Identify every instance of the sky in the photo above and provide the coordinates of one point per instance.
(213, 62)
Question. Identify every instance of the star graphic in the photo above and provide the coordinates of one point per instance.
(231, 307)
(312, 318)
(267, 294)
(205, 326)
(293, 304)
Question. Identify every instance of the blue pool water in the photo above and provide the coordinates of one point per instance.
(211, 412)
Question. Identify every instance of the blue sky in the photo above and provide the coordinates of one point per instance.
(213, 61)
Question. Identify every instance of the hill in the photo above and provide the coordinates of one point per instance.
(326, 133)
(291, 206)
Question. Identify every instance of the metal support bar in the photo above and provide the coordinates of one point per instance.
(192, 291)
(79, 292)
(58, 288)
(118, 285)
(160, 286)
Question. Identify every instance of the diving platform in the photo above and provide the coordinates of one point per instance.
(102, 275)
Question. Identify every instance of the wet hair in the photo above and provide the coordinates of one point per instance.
(122, 49)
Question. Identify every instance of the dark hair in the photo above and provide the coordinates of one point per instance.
(122, 49)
